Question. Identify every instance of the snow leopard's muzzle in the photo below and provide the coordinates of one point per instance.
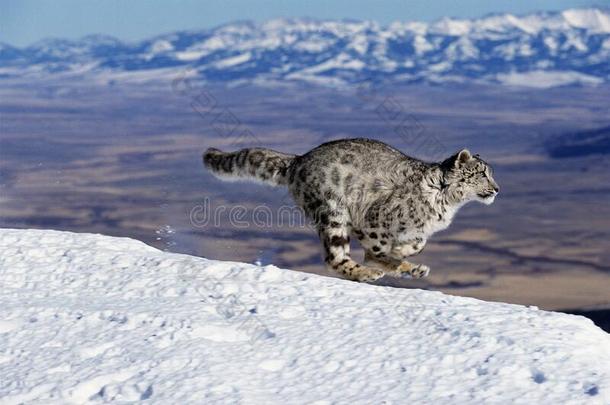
(489, 197)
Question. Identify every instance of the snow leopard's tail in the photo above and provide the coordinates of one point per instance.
(260, 164)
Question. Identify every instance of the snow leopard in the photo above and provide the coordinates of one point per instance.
(368, 190)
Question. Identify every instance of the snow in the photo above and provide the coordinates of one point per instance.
(551, 44)
(545, 79)
(439, 67)
(592, 19)
(359, 43)
(233, 60)
(462, 49)
(421, 45)
(314, 44)
(141, 76)
(450, 26)
(341, 61)
(161, 46)
(89, 318)
(191, 55)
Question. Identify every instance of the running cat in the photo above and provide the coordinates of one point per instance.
(390, 202)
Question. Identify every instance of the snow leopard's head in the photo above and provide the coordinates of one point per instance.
(470, 178)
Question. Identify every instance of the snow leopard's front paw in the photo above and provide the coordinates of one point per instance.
(420, 271)
(367, 274)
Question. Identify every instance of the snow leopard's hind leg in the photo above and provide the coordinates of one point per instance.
(333, 229)
(394, 263)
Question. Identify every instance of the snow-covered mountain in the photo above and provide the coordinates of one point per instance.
(91, 319)
(542, 49)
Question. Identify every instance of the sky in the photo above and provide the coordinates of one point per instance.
(23, 22)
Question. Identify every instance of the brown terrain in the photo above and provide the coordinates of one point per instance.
(125, 160)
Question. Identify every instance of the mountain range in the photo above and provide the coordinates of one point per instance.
(540, 50)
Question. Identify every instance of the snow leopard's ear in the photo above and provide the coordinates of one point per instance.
(463, 156)
(457, 160)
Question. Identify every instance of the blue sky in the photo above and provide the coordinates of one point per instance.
(23, 22)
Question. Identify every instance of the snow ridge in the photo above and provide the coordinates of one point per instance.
(88, 318)
(566, 47)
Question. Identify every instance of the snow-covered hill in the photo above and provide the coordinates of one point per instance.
(542, 50)
(94, 318)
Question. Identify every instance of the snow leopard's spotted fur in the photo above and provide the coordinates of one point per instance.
(390, 202)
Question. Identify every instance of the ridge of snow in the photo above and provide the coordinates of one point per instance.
(233, 60)
(89, 318)
(592, 19)
(544, 79)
